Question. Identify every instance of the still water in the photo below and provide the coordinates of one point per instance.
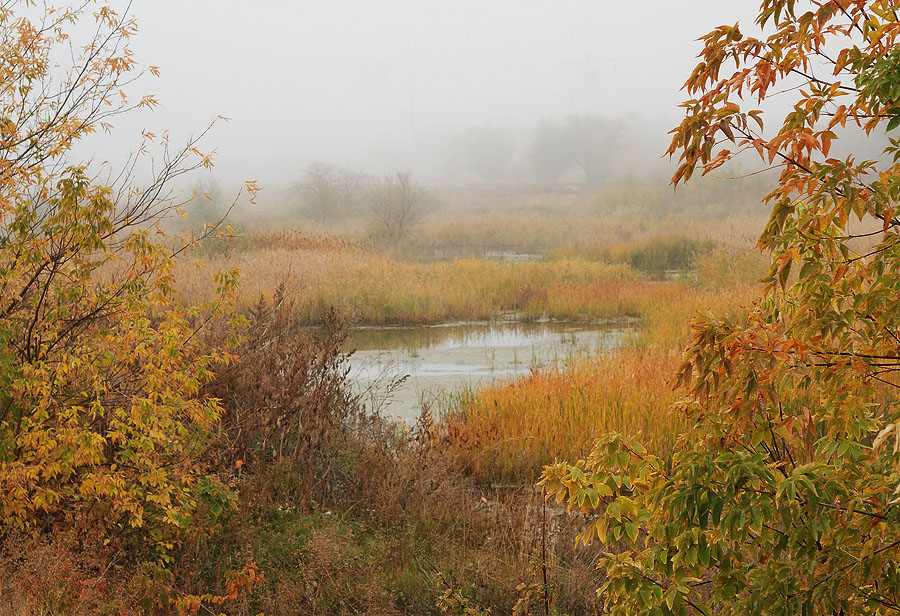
(439, 359)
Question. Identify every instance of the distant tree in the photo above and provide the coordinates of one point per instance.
(587, 143)
(207, 206)
(486, 151)
(784, 496)
(396, 203)
(330, 192)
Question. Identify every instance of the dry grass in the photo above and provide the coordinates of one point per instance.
(579, 221)
(508, 430)
(562, 235)
(380, 290)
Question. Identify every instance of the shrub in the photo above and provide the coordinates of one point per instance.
(100, 412)
(670, 253)
(396, 204)
(287, 405)
(330, 192)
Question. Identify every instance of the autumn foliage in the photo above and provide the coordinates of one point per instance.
(100, 417)
(783, 498)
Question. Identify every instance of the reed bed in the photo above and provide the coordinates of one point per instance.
(665, 322)
(291, 239)
(556, 220)
(664, 308)
(508, 430)
(561, 235)
(379, 290)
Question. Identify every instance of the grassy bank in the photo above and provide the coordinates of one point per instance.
(379, 289)
(509, 429)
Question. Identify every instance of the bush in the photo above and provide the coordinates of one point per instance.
(100, 412)
(665, 254)
(287, 407)
(396, 205)
(330, 192)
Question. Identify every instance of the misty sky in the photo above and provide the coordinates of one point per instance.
(383, 83)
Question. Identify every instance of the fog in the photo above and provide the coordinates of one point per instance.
(392, 84)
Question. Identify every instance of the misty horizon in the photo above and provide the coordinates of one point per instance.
(394, 85)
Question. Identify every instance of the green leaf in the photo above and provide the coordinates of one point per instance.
(631, 529)
(893, 123)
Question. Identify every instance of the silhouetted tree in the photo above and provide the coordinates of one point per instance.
(330, 191)
(584, 142)
(396, 203)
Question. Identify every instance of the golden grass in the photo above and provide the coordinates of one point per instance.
(564, 220)
(508, 430)
(381, 290)
(582, 222)
(664, 308)
(558, 234)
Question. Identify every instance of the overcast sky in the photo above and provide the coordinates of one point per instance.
(379, 83)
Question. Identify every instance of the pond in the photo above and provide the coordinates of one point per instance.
(433, 361)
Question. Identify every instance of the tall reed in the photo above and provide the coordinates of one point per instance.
(508, 430)
(380, 290)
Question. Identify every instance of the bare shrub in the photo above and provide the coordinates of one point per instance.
(70, 572)
(287, 405)
(330, 192)
(396, 204)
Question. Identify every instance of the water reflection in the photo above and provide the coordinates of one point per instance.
(439, 359)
